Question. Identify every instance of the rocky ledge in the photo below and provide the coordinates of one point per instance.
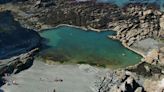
(142, 77)
(16, 64)
(134, 22)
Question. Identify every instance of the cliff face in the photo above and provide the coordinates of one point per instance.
(15, 39)
(133, 22)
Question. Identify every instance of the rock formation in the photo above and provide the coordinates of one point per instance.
(133, 22)
(152, 56)
(118, 81)
(142, 23)
(162, 26)
(143, 77)
(17, 63)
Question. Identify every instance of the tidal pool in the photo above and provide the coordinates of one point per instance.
(74, 45)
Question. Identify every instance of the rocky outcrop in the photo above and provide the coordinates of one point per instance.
(162, 26)
(17, 63)
(63, 12)
(119, 81)
(143, 77)
(132, 23)
(141, 23)
(147, 70)
(154, 85)
(152, 56)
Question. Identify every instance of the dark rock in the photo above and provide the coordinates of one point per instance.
(146, 69)
(4, 1)
(134, 22)
(15, 39)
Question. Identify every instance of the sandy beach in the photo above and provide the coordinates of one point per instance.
(61, 78)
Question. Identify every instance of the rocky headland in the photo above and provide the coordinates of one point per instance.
(135, 24)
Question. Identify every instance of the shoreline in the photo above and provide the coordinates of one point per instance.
(45, 27)
(74, 26)
(84, 78)
(97, 30)
(39, 27)
(48, 75)
(126, 46)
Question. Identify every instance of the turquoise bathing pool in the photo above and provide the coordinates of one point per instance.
(75, 45)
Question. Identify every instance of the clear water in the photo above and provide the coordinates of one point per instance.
(77, 45)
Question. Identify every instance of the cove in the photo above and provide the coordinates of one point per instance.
(75, 45)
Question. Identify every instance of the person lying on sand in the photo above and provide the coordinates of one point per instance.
(58, 80)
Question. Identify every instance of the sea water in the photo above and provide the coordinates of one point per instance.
(76, 45)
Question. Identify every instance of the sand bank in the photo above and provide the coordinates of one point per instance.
(63, 78)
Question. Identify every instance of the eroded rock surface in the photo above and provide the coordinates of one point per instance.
(119, 81)
(134, 22)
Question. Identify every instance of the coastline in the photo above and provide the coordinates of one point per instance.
(98, 30)
(60, 25)
(75, 78)
(67, 77)
(44, 27)
(79, 27)
(39, 26)
(126, 46)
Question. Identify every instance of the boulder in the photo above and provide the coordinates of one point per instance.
(118, 81)
(139, 89)
(161, 33)
(151, 85)
(152, 56)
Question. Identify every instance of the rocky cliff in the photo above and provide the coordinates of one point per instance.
(142, 77)
(133, 22)
(118, 81)
(140, 23)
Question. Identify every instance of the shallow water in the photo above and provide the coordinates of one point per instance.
(79, 46)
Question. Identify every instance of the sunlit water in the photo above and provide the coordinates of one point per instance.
(75, 45)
